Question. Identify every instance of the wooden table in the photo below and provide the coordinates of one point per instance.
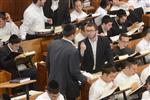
(8, 85)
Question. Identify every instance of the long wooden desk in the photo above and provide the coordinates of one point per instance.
(8, 85)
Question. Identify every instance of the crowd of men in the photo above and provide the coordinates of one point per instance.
(90, 49)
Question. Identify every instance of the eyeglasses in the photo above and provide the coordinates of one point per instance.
(90, 30)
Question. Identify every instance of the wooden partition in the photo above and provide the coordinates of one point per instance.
(14, 7)
(17, 7)
(42, 78)
(38, 45)
(146, 20)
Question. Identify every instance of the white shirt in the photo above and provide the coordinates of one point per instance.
(144, 74)
(136, 3)
(94, 49)
(124, 81)
(98, 88)
(100, 12)
(34, 20)
(142, 46)
(9, 29)
(146, 95)
(45, 96)
(78, 38)
(76, 15)
(147, 3)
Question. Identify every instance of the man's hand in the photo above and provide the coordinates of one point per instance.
(20, 56)
(89, 80)
(82, 48)
(50, 21)
(134, 86)
(8, 18)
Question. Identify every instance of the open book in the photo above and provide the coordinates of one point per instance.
(135, 55)
(147, 10)
(132, 31)
(25, 54)
(19, 80)
(115, 38)
(5, 38)
(141, 88)
(58, 29)
(18, 55)
(31, 93)
(44, 30)
(107, 94)
(92, 76)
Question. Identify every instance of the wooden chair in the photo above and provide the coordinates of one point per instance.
(4, 77)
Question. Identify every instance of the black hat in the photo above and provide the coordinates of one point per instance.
(53, 86)
(14, 39)
(69, 29)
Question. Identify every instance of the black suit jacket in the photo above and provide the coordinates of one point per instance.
(61, 15)
(119, 52)
(100, 30)
(64, 66)
(116, 30)
(8, 64)
(103, 53)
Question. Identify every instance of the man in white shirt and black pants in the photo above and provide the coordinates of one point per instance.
(34, 20)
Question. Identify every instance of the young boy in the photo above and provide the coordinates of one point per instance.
(103, 84)
(128, 78)
(52, 92)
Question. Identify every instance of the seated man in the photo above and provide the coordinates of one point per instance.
(105, 26)
(9, 62)
(52, 92)
(78, 14)
(144, 45)
(7, 26)
(122, 48)
(102, 11)
(128, 78)
(103, 84)
(120, 24)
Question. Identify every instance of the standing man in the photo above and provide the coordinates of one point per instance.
(95, 51)
(34, 20)
(58, 10)
(63, 64)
